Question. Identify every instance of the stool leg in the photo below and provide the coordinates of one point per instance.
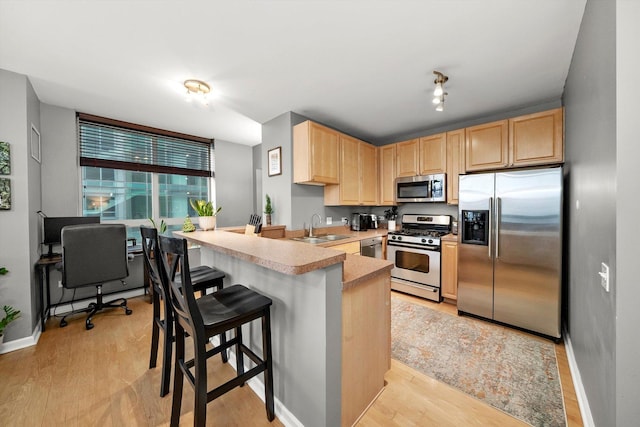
(223, 353)
(167, 350)
(178, 377)
(239, 357)
(268, 373)
(155, 331)
(200, 398)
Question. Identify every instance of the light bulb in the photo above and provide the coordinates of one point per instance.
(440, 107)
(436, 100)
(438, 91)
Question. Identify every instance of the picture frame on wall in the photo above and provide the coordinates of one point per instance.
(5, 194)
(5, 159)
(35, 143)
(274, 161)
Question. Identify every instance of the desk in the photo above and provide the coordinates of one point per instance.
(43, 265)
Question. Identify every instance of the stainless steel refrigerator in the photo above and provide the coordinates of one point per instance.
(510, 248)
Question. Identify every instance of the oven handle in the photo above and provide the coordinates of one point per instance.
(414, 246)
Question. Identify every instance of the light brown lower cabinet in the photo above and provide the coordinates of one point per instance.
(350, 248)
(449, 269)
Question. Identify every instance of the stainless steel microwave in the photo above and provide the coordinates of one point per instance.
(422, 188)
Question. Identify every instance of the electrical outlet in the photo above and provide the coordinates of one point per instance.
(59, 283)
(604, 276)
(329, 220)
(345, 220)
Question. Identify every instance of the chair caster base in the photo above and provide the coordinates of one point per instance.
(89, 326)
(63, 323)
(128, 311)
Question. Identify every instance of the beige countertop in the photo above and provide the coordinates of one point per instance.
(293, 257)
(450, 237)
(358, 268)
(282, 255)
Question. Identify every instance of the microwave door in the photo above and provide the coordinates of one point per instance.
(412, 190)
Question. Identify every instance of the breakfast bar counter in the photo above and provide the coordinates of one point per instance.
(330, 321)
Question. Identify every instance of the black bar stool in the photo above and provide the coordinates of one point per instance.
(203, 278)
(211, 315)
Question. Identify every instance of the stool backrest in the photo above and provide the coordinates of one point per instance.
(152, 258)
(175, 260)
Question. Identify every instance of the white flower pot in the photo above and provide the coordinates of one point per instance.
(207, 222)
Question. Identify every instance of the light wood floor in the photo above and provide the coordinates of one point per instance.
(75, 377)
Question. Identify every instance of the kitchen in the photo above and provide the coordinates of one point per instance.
(602, 343)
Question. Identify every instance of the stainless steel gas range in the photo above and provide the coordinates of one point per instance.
(415, 252)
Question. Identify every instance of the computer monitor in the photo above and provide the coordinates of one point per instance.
(53, 228)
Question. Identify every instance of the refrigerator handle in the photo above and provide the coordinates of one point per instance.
(490, 225)
(498, 219)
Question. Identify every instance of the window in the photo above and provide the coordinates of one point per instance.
(131, 173)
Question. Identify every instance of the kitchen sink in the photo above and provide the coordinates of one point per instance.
(320, 239)
(313, 240)
(334, 237)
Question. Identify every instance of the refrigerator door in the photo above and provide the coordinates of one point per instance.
(528, 249)
(475, 258)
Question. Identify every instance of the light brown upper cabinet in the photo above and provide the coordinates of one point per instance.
(387, 173)
(358, 175)
(455, 163)
(487, 146)
(407, 157)
(316, 154)
(433, 154)
(536, 138)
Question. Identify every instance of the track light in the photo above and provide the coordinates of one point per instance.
(438, 92)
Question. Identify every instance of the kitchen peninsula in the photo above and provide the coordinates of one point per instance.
(331, 321)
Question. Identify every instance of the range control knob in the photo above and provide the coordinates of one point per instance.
(430, 240)
(424, 240)
(393, 237)
(399, 237)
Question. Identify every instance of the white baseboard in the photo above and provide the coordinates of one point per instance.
(583, 402)
(22, 342)
(281, 411)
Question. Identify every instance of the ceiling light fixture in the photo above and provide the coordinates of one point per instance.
(197, 89)
(438, 92)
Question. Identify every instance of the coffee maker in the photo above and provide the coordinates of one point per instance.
(360, 222)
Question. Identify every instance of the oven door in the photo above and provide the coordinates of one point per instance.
(416, 270)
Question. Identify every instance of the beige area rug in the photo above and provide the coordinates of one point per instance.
(509, 370)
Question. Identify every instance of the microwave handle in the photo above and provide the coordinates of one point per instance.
(429, 189)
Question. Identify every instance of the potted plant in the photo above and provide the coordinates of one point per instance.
(268, 210)
(206, 213)
(10, 314)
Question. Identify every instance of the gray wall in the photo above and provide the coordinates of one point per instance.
(18, 226)
(233, 183)
(628, 269)
(602, 152)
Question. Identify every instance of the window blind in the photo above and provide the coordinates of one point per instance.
(119, 145)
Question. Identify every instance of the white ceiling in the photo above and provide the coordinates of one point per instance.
(363, 66)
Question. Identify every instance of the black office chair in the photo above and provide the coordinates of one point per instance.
(211, 315)
(93, 254)
(202, 278)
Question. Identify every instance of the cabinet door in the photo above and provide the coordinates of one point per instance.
(316, 154)
(449, 269)
(368, 174)
(536, 138)
(433, 154)
(455, 163)
(407, 158)
(349, 170)
(487, 146)
(387, 172)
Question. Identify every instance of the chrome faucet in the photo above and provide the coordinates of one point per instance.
(311, 223)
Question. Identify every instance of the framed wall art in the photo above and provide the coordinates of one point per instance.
(274, 160)
(5, 194)
(5, 159)
(35, 143)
